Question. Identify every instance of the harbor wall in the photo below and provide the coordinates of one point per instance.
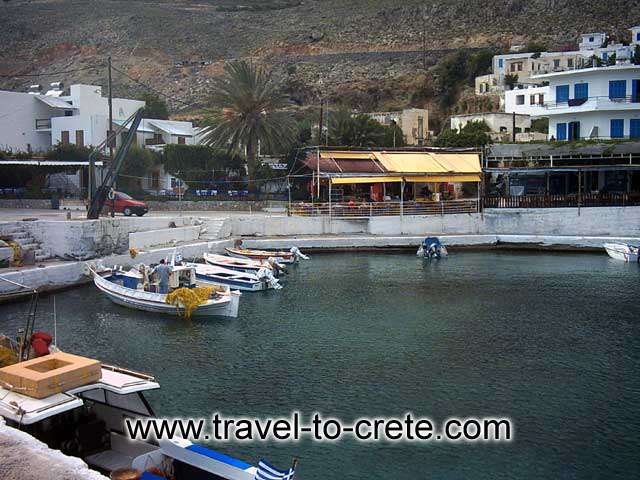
(26, 458)
(602, 221)
(152, 238)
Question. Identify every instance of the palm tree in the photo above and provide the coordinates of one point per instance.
(248, 110)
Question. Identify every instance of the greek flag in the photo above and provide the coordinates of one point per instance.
(269, 472)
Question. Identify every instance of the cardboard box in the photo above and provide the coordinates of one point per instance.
(51, 374)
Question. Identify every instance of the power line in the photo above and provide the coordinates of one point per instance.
(52, 74)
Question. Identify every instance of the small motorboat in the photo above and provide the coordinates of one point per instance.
(431, 247)
(621, 251)
(262, 255)
(207, 275)
(243, 264)
(131, 289)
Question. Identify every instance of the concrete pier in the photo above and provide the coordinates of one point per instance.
(25, 458)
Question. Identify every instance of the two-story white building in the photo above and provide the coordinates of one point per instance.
(594, 103)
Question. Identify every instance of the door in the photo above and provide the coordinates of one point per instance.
(561, 131)
(635, 91)
(80, 138)
(635, 128)
(574, 131)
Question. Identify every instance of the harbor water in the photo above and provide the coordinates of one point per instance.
(551, 341)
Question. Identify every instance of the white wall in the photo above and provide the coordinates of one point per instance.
(511, 104)
(592, 119)
(18, 114)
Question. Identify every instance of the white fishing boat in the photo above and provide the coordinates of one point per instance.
(292, 256)
(207, 275)
(621, 251)
(242, 264)
(128, 288)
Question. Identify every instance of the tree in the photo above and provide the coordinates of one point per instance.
(155, 107)
(510, 80)
(473, 134)
(540, 125)
(636, 55)
(535, 47)
(248, 110)
(451, 72)
(346, 129)
(198, 163)
(137, 165)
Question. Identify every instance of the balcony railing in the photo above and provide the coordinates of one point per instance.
(564, 201)
(592, 102)
(384, 209)
(43, 124)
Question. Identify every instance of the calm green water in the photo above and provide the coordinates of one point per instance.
(550, 340)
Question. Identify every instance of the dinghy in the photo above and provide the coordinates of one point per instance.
(289, 257)
(621, 251)
(130, 290)
(207, 275)
(431, 247)
(242, 264)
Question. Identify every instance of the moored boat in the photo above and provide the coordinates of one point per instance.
(242, 264)
(623, 252)
(130, 290)
(289, 257)
(207, 275)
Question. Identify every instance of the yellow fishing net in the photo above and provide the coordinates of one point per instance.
(133, 252)
(17, 253)
(189, 298)
(7, 357)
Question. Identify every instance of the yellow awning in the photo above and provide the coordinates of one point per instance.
(428, 162)
(346, 180)
(345, 155)
(443, 178)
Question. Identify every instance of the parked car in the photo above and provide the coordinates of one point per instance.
(125, 204)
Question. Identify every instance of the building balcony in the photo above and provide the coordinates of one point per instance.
(43, 124)
(592, 104)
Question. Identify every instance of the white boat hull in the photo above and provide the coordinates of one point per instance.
(262, 255)
(622, 252)
(224, 306)
(208, 275)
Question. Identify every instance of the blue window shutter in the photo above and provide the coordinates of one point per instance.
(562, 93)
(617, 128)
(634, 131)
(500, 62)
(561, 131)
(581, 90)
(638, 36)
(605, 56)
(617, 89)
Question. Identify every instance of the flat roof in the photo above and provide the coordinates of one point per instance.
(626, 66)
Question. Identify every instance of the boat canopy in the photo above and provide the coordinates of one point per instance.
(27, 410)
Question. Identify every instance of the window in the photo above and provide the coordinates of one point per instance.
(561, 131)
(541, 99)
(181, 141)
(617, 128)
(591, 39)
(532, 100)
(634, 131)
(556, 63)
(570, 62)
(638, 37)
(581, 90)
(562, 93)
(64, 137)
(68, 113)
(605, 56)
(617, 89)
(519, 99)
(80, 138)
(500, 63)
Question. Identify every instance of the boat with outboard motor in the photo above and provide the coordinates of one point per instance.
(243, 264)
(621, 251)
(207, 275)
(132, 289)
(431, 247)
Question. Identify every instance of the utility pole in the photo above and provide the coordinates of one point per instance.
(424, 40)
(320, 125)
(110, 137)
(513, 126)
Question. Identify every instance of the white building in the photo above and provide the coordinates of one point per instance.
(501, 125)
(526, 66)
(414, 123)
(527, 101)
(594, 102)
(36, 122)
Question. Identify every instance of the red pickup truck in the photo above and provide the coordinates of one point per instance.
(123, 203)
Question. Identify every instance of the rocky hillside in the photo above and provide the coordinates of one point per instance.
(365, 49)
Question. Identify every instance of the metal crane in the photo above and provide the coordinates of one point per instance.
(99, 197)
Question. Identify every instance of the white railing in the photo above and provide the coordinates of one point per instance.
(384, 209)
